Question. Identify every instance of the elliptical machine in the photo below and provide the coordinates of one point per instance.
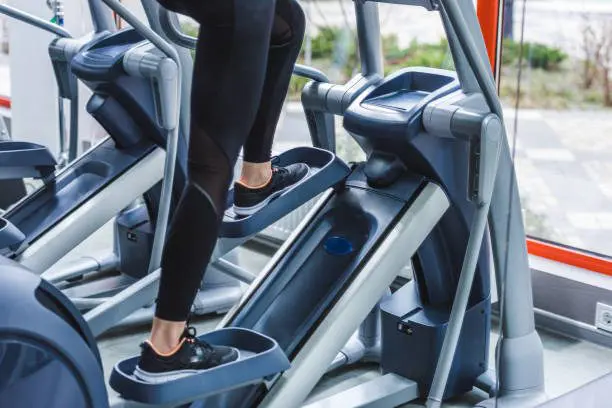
(75, 201)
(135, 101)
(436, 149)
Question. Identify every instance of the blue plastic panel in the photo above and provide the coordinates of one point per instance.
(326, 170)
(260, 357)
(392, 111)
(69, 189)
(24, 159)
(48, 357)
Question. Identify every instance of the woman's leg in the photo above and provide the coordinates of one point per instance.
(228, 79)
(256, 182)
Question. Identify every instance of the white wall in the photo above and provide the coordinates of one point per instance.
(33, 85)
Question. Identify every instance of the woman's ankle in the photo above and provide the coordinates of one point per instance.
(166, 335)
(255, 175)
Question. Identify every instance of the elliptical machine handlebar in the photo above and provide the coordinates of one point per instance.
(168, 79)
(168, 23)
(34, 21)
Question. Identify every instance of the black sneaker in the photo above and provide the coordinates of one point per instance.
(192, 357)
(248, 201)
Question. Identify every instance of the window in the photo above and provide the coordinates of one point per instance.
(411, 36)
(558, 102)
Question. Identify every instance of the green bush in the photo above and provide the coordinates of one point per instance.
(324, 42)
(544, 57)
(434, 55)
(534, 55)
(190, 29)
(295, 87)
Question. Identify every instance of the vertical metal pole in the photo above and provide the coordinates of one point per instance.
(73, 140)
(368, 37)
(467, 30)
(101, 17)
(489, 141)
(58, 18)
(172, 129)
(521, 365)
(455, 322)
(163, 215)
(308, 42)
(468, 81)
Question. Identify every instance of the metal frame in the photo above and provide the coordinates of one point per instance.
(344, 318)
(521, 364)
(88, 218)
(521, 367)
(43, 254)
(520, 370)
(34, 21)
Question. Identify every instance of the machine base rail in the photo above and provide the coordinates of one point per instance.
(389, 390)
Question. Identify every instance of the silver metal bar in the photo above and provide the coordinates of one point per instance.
(142, 28)
(310, 72)
(489, 142)
(123, 304)
(81, 266)
(521, 367)
(63, 155)
(93, 214)
(34, 21)
(163, 214)
(368, 38)
(235, 271)
(465, 24)
(73, 140)
(389, 390)
(464, 73)
(365, 344)
(370, 284)
(152, 10)
(139, 294)
(87, 303)
(101, 17)
(455, 322)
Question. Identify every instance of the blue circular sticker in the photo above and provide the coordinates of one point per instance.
(338, 246)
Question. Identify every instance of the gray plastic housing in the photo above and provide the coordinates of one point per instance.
(25, 159)
(10, 235)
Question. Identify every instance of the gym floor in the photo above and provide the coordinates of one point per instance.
(569, 363)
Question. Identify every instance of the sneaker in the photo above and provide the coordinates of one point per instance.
(248, 201)
(192, 357)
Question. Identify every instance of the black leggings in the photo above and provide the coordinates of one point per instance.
(244, 61)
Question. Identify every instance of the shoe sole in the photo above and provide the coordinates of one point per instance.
(159, 378)
(246, 211)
